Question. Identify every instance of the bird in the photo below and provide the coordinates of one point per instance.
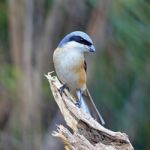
(71, 69)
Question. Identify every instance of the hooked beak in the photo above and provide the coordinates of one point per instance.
(91, 48)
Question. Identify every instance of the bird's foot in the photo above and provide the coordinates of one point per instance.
(78, 103)
(62, 88)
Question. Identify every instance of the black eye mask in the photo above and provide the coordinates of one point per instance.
(80, 40)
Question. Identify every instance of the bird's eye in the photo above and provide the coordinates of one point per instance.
(85, 42)
(81, 40)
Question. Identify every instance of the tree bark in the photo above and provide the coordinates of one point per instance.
(86, 133)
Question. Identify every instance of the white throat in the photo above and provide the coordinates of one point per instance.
(72, 45)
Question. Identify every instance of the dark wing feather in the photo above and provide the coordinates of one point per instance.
(85, 66)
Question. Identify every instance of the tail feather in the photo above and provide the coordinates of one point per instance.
(92, 108)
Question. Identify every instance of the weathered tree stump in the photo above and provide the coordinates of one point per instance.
(87, 133)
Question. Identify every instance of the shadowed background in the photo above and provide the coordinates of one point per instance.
(118, 73)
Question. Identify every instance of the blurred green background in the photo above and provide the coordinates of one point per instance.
(118, 73)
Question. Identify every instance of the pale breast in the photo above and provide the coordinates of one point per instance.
(68, 65)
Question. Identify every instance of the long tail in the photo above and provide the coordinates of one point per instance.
(92, 108)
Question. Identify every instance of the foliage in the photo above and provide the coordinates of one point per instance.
(123, 70)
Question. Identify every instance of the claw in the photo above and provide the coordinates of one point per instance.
(62, 88)
(78, 103)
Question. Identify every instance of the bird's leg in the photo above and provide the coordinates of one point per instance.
(79, 96)
(62, 88)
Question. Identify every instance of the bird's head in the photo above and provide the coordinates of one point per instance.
(77, 40)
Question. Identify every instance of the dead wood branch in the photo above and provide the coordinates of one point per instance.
(87, 133)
